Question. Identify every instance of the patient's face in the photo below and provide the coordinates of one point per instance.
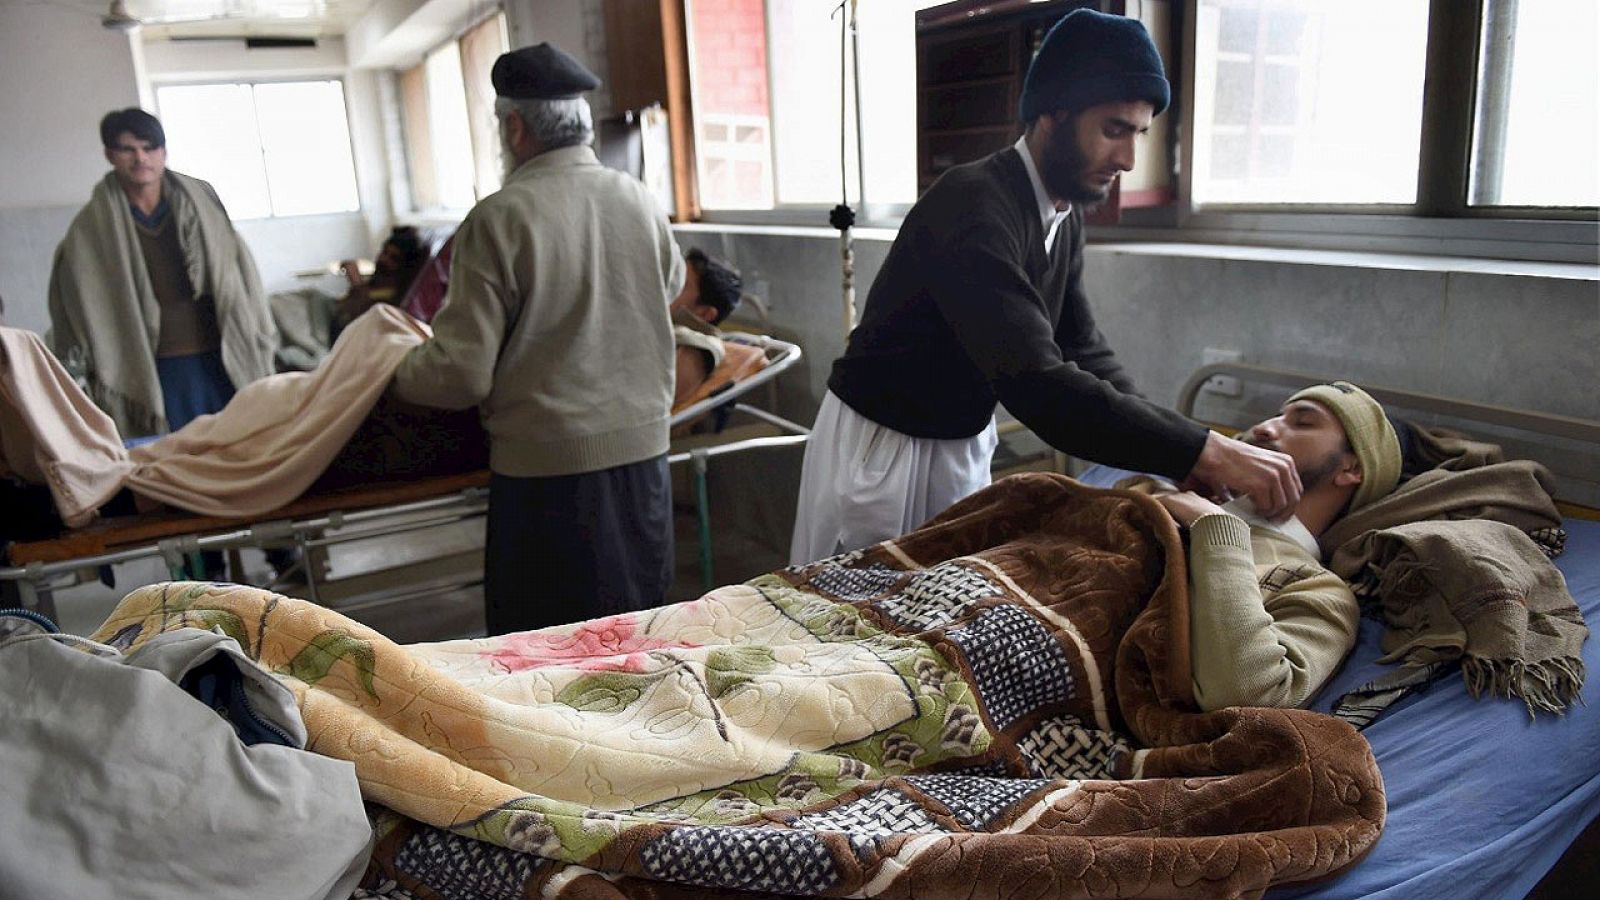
(1310, 434)
(688, 299)
(135, 161)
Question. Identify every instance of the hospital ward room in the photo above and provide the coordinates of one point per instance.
(921, 449)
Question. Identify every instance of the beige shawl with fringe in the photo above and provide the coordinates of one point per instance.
(1458, 561)
(103, 312)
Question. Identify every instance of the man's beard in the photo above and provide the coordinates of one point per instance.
(508, 156)
(1064, 166)
(1313, 476)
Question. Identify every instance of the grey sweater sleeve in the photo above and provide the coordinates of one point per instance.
(455, 368)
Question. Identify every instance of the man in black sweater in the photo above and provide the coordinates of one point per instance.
(981, 301)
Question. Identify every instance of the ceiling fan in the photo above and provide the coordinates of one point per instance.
(117, 18)
(259, 23)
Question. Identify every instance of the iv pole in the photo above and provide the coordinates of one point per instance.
(842, 216)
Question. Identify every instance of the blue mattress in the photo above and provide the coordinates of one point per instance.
(1482, 800)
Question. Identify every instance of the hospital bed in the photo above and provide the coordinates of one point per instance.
(31, 572)
(1482, 801)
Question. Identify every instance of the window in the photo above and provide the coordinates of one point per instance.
(452, 139)
(765, 76)
(1303, 101)
(270, 149)
(1535, 139)
(1307, 102)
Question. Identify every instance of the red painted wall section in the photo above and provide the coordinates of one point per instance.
(730, 56)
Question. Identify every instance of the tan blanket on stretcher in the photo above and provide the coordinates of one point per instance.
(273, 440)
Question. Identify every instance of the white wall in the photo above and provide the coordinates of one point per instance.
(61, 72)
(576, 26)
(170, 62)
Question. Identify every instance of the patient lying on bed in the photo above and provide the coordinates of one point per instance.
(276, 438)
(325, 429)
(1268, 623)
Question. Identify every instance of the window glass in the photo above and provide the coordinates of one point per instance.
(765, 77)
(419, 142)
(732, 111)
(1536, 139)
(480, 47)
(212, 135)
(271, 149)
(305, 143)
(449, 128)
(1306, 101)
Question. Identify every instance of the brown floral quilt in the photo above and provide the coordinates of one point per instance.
(996, 705)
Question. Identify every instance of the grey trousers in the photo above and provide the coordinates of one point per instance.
(567, 548)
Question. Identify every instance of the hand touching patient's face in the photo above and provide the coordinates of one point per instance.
(1312, 436)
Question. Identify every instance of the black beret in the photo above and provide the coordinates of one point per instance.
(541, 72)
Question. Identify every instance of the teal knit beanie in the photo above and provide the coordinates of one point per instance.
(1089, 58)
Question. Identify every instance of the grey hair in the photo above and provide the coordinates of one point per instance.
(554, 123)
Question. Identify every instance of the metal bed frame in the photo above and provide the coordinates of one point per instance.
(32, 585)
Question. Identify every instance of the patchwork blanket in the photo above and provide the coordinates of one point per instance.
(997, 705)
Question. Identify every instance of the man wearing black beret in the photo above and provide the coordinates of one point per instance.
(555, 325)
(981, 301)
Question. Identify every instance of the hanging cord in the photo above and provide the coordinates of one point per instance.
(842, 216)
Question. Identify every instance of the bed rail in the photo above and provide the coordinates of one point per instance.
(1586, 430)
(781, 355)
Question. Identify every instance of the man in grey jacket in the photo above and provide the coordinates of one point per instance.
(555, 325)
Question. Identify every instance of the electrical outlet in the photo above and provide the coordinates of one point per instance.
(1221, 385)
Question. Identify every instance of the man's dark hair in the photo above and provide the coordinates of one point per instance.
(137, 122)
(406, 239)
(720, 285)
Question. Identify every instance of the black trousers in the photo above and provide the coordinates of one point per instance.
(572, 547)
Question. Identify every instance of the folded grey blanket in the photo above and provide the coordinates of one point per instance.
(121, 781)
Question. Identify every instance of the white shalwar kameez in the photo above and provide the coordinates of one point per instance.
(864, 483)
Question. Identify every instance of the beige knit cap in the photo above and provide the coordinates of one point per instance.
(1370, 435)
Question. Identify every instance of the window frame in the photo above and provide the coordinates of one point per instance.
(869, 213)
(1441, 223)
(297, 78)
(439, 213)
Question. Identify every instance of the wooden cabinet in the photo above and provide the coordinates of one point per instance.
(972, 58)
(971, 62)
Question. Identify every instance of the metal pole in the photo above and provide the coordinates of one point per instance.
(703, 513)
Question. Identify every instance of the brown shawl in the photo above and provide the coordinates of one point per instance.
(1458, 560)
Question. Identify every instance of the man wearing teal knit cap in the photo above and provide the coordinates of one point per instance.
(1268, 624)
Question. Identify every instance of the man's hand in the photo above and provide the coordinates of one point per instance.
(1186, 506)
(352, 272)
(1228, 467)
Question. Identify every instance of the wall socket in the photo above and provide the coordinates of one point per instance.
(1221, 385)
